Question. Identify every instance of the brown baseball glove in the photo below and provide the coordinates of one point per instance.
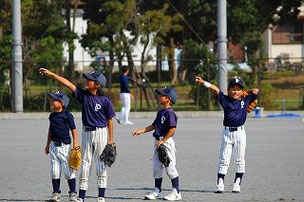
(252, 104)
(75, 158)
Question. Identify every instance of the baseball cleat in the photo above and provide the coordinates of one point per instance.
(118, 120)
(73, 196)
(219, 189)
(173, 196)
(128, 123)
(79, 199)
(101, 199)
(154, 195)
(236, 188)
(55, 197)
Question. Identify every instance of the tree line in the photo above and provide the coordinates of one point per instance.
(116, 26)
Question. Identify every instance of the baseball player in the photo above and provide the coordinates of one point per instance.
(234, 135)
(164, 127)
(97, 130)
(58, 144)
(125, 96)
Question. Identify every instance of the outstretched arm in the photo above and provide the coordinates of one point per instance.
(214, 88)
(58, 78)
(144, 130)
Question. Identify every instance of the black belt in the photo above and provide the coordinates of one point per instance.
(158, 137)
(232, 129)
(58, 144)
(89, 128)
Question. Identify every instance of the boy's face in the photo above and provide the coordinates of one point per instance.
(163, 99)
(235, 92)
(56, 105)
(91, 85)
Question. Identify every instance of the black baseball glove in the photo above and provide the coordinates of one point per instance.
(109, 154)
(163, 155)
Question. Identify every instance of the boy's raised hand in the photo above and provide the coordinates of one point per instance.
(199, 79)
(44, 71)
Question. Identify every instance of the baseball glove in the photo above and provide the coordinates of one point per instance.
(163, 155)
(252, 104)
(75, 158)
(109, 154)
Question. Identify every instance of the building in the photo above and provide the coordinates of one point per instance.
(284, 45)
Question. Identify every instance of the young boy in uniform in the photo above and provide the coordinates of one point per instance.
(97, 130)
(58, 144)
(164, 127)
(234, 136)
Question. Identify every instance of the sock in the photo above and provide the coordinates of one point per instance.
(82, 193)
(238, 178)
(158, 183)
(101, 192)
(72, 185)
(175, 183)
(56, 185)
(220, 176)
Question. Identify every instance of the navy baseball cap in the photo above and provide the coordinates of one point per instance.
(236, 81)
(124, 68)
(96, 76)
(168, 91)
(60, 96)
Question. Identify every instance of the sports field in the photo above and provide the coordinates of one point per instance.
(274, 161)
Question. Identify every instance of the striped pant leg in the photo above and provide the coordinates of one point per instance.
(87, 151)
(55, 162)
(100, 140)
(225, 152)
(64, 154)
(239, 150)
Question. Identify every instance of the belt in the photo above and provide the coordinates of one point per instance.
(58, 144)
(158, 137)
(89, 128)
(232, 129)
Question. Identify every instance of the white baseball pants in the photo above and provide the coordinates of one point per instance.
(158, 167)
(59, 158)
(93, 143)
(232, 141)
(126, 106)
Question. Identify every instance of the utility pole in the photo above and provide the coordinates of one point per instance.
(17, 88)
(222, 44)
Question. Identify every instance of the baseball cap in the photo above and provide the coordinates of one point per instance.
(236, 81)
(124, 68)
(60, 96)
(96, 76)
(168, 91)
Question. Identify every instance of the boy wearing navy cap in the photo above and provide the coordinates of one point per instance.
(164, 127)
(59, 144)
(97, 130)
(234, 135)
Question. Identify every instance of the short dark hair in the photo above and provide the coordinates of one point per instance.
(124, 68)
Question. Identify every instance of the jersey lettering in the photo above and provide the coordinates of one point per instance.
(97, 107)
(163, 119)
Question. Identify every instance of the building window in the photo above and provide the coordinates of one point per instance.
(289, 33)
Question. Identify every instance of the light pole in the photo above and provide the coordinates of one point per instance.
(17, 88)
(222, 44)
